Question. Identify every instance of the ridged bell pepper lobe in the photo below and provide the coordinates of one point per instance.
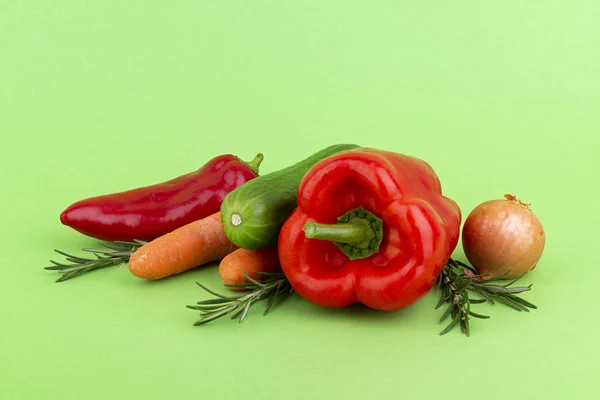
(371, 227)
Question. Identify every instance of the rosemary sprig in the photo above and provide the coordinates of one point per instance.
(275, 287)
(112, 253)
(457, 279)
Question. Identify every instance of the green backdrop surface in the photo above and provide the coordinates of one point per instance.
(98, 97)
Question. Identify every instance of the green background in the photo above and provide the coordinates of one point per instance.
(98, 97)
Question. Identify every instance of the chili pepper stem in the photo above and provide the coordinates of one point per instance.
(357, 234)
(255, 163)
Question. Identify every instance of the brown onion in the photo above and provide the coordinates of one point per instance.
(503, 235)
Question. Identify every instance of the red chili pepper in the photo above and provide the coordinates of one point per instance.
(149, 212)
(371, 227)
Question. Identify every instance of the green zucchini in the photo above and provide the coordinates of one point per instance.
(253, 213)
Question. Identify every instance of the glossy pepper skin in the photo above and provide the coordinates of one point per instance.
(148, 212)
(420, 229)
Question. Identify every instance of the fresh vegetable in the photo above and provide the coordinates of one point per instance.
(372, 227)
(149, 212)
(503, 238)
(253, 213)
(347, 225)
(274, 288)
(457, 280)
(187, 247)
(236, 266)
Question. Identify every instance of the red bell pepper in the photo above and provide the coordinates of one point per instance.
(371, 227)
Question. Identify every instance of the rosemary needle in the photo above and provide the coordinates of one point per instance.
(275, 287)
(111, 254)
(458, 279)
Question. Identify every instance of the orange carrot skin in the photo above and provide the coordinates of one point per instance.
(187, 247)
(248, 261)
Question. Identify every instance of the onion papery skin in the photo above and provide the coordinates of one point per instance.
(503, 235)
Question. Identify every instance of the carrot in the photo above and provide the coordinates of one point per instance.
(248, 261)
(187, 247)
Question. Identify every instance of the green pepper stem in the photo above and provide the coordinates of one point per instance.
(358, 233)
(350, 233)
(255, 163)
